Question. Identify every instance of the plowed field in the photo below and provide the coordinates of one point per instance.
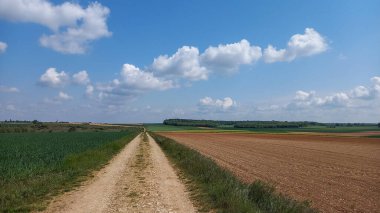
(338, 174)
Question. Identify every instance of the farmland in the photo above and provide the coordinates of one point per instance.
(138, 179)
(62, 166)
(35, 166)
(36, 126)
(268, 126)
(215, 189)
(374, 130)
(335, 173)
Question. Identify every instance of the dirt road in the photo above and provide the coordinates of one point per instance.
(138, 179)
(338, 174)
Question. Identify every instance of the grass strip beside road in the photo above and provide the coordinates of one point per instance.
(37, 166)
(214, 188)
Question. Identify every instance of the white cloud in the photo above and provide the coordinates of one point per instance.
(64, 96)
(303, 96)
(376, 84)
(361, 92)
(89, 90)
(219, 104)
(41, 12)
(337, 99)
(271, 54)
(189, 64)
(81, 78)
(307, 44)
(360, 104)
(131, 82)
(3, 47)
(304, 99)
(299, 45)
(376, 80)
(52, 78)
(229, 57)
(184, 63)
(73, 26)
(142, 80)
(5, 89)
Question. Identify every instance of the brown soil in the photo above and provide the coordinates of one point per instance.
(350, 134)
(138, 179)
(338, 174)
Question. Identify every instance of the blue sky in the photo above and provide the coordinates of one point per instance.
(144, 61)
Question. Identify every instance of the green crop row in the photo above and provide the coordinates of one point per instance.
(35, 166)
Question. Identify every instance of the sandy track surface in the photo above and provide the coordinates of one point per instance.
(338, 174)
(138, 179)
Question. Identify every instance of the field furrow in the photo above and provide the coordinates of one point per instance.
(335, 173)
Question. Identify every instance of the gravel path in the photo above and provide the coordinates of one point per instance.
(138, 179)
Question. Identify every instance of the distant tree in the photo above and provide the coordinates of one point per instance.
(378, 125)
(238, 124)
(35, 122)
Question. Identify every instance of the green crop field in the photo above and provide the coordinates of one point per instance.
(321, 129)
(374, 136)
(34, 166)
(189, 125)
(58, 127)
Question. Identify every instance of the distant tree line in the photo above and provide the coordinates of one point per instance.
(271, 124)
(349, 124)
(259, 124)
(16, 121)
(28, 121)
(238, 124)
(197, 123)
